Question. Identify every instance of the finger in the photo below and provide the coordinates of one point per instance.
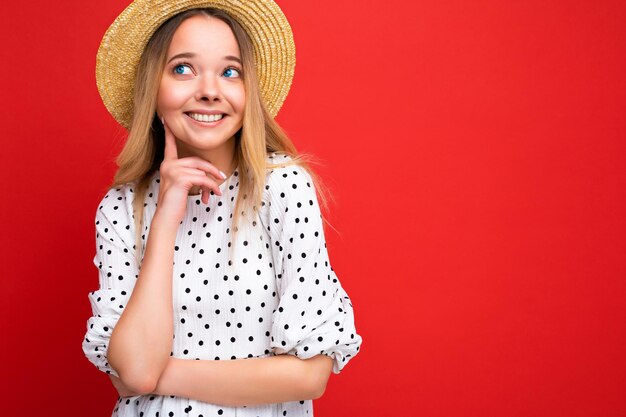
(208, 185)
(205, 190)
(199, 163)
(199, 178)
(170, 152)
(205, 195)
(203, 176)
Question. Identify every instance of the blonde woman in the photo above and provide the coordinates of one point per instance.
(216, 295)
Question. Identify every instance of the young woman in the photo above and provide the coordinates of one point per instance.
(216, 297)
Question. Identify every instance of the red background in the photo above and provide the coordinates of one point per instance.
(476, 151)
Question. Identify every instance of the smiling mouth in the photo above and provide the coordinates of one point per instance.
(206, 118)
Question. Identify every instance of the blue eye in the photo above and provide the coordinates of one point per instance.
(185, 69)
(180, 69)
(232, 69)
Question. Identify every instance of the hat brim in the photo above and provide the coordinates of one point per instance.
(123, 43)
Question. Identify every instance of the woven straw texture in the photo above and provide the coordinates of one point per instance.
(124, 41)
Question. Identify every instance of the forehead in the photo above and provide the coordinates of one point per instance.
(204, 35)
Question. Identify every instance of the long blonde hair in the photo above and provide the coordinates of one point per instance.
(260, 134)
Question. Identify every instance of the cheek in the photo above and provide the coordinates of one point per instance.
(239, 97)
(171, 98)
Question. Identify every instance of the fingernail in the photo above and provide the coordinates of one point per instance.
(223, 175)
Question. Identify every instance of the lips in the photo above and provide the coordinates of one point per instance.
(207, 123)
(189, 113)
(202, 111)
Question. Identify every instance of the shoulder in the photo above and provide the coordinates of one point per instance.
(289, 191)
(290, 178)
(116, 207)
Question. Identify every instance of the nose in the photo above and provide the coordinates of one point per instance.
(208, 89)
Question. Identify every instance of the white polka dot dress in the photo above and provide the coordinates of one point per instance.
(277, 294)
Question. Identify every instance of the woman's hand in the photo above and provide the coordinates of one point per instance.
(122, 389)
(178, 176)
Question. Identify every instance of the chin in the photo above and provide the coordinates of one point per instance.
(207, 142)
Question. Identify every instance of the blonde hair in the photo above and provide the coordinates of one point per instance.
(260, 134)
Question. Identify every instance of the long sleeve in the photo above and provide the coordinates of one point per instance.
(315, 314)
(118, 272)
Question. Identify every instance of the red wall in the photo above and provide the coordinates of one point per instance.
(476, 151)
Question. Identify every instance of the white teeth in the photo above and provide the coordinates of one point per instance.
(206, 117)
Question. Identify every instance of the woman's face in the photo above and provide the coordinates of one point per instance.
(202, 75)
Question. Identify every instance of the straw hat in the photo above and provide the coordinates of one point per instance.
(125, 40)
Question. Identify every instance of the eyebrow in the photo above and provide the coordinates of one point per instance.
(192, 55)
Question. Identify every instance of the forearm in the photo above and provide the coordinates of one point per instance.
(141, 341)
(239, 382)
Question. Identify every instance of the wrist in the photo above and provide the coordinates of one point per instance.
(164, 220)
